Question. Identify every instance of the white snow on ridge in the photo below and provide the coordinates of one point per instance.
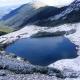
(28, 31)
(70, 64)
(75, 37)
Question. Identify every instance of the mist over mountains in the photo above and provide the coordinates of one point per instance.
(41, 14)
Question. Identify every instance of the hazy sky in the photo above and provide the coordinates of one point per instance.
(50, 2)
(58, 2)
(12, 2)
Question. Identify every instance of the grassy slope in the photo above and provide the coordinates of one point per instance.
(5, 29)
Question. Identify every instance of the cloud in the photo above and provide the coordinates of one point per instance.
(49, 2)
(58, 3)
(12, 2)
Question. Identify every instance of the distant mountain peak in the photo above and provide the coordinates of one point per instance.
(38, 4)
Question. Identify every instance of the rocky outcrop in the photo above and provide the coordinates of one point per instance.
(12, 66)
(69, 15)
(68, 67)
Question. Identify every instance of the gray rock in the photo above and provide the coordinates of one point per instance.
(48, 34)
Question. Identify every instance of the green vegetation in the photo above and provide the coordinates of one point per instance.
(5, 29)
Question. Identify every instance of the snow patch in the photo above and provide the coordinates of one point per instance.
(28, 31)
(70, 64)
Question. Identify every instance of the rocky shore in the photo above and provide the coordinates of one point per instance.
(13, 67)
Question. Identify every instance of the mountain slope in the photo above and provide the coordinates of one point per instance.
(69, 15)
(16, 17)
(30, 13)
(40, 14)
(4, 10)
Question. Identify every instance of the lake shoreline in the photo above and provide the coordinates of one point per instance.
(12, 67)
(68, 67)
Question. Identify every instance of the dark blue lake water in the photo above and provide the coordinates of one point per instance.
(43, 51)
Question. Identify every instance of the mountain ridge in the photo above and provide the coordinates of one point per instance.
(27, 14)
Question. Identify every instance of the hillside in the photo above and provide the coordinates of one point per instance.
(31, 13)
(4, 10)
(69, 15)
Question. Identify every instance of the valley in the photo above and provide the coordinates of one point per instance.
(40, 42)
